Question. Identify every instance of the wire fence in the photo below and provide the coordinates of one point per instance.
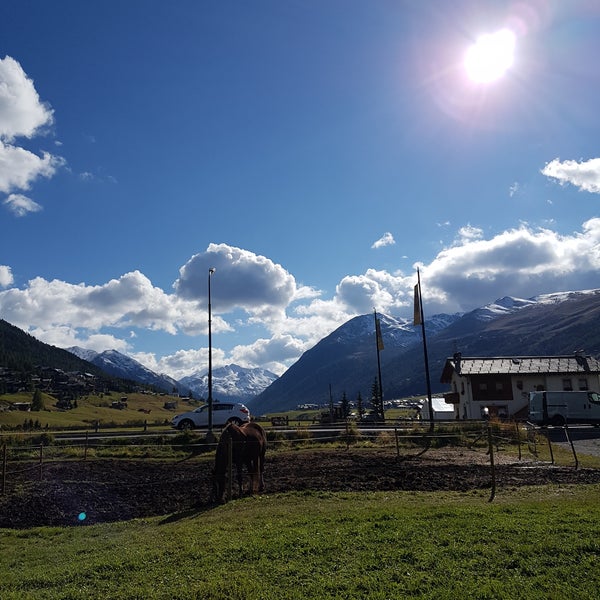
(27, 458)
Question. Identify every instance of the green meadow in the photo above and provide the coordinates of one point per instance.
(536, 542)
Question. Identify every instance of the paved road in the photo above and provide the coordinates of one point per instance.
(586, 439)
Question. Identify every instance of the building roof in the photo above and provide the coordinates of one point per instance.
(519, 365)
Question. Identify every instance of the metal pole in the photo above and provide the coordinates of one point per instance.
(492, 465)
(425, 355)
(210, 398)
(378, 343)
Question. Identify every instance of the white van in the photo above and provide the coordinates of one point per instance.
(558, 408)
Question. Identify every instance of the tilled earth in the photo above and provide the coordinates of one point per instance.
(95, 491)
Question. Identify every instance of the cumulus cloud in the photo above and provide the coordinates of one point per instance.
(271, 353)
(520, 262)
(387, 239)
(130, 301)
(19, 168)
(21, 205)
(22, 114)
(242, 279)
(585, 175)
(255, 293)
(6, 276)
(469, 233)
(374, 289)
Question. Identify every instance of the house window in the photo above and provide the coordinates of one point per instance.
(567, 385)
(483, 387)
(499, 386)
(582, 384)
(519, 384)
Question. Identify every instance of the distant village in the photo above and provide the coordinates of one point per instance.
(66, 387)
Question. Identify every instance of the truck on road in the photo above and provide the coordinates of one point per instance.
(558, 408)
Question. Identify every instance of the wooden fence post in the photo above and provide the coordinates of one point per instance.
(493, 467)
(85, 448)
(397, 442)
(41, 460)
(518, 437)
(550, 446)
(572, 446)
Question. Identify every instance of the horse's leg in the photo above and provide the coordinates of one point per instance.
(255, 475)
(240, 478)
(261, 470)
(250, 468)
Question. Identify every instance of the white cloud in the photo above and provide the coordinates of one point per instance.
(585, 175)
(272, 353)
(130, 301)
(21, 205)
(387, 239)
(21, 111)
(469, 233)
(22, 114)
(520, 262)
(242, 279)
(6, 276)
(19, 168)
(289, 319)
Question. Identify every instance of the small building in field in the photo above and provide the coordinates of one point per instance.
(442, 411)
(502, 383)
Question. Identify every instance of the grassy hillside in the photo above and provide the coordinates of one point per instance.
(533, 543)
(22, 352)
(94, 408)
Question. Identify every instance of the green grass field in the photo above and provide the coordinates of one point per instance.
(531, 543)
(96, 408)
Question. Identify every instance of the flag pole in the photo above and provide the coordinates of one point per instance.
(419, 318)
(379, 344)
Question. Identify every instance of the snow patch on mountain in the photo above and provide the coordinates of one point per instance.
(231, 382)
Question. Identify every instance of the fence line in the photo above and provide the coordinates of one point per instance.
(490, 436)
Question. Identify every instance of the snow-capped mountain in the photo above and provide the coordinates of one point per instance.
(119, 365)
(345, 361)
(231, 382)
(502, 306)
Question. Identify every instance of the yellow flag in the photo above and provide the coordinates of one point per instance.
(417, 316)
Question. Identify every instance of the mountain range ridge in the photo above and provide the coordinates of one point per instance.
(345, 360)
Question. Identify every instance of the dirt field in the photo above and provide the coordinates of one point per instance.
(114, 490)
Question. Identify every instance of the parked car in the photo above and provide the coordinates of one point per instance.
(223, 413)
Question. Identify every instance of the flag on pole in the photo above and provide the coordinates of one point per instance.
(417, 315)
(378, 333)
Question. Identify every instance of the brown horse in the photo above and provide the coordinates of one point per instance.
(248, 446)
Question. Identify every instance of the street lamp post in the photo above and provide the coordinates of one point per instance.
(210, 398)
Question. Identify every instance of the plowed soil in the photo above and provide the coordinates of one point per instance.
(94, 491)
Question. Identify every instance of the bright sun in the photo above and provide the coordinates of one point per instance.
(490, 56)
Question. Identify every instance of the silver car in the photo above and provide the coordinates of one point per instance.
(223, 413)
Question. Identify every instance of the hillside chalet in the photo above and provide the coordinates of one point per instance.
(502, 384)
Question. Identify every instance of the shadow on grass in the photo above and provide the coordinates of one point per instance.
(198, 509)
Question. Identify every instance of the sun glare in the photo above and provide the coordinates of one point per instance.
(490, 56)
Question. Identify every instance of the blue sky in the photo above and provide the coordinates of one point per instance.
(313, 153)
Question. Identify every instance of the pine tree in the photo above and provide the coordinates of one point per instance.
(37, 402)
(345, 405)
(376, 399)
(360, 409)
